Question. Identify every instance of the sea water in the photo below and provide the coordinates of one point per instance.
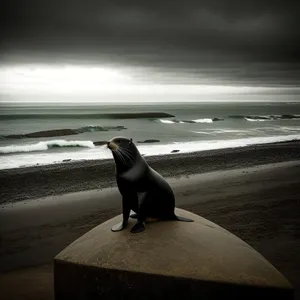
(188, 127)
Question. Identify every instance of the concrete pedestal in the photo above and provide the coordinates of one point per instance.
(169, 260)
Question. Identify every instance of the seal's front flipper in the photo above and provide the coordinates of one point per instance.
(138, 227)
(126, 210)
(118, 227)
(141, 215)
(134, 216)
(183, 219)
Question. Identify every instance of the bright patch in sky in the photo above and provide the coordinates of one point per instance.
(65, 79)
(102, 81)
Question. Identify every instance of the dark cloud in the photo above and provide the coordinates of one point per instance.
(250, 40)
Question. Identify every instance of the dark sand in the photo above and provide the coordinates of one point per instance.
(40, 181)
(259, 202)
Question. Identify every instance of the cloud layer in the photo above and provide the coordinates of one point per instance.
(179, 41)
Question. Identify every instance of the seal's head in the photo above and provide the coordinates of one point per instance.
(124, 151)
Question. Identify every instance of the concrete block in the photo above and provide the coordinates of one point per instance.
(169, 260)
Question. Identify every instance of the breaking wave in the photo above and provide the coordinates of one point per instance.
(252, 118)
(203, 120)
(28, 159)
(222, 131)
(44, 146)
(167, 121)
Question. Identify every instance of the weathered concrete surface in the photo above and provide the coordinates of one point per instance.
(168, 260)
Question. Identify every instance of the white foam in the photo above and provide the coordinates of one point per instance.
(205, 120)
(256, 120)
(222, 131)
(43, 146)
(231, 131)
(186, 147)
(289, 128)
(271, 118)
(166, 121)
(26, 159)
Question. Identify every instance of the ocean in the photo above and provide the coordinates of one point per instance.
(47, 134)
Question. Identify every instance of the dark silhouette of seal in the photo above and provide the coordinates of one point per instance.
(143, 190)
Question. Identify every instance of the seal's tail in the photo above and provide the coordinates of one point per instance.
(178, 218)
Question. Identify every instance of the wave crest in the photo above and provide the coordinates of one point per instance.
(203, 120)
(254, 118)
(44, 146)
(167, 121)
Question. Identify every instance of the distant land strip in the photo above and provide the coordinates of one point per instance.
(139, 115)
(62, 132)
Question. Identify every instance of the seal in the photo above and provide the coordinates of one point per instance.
(143, 190)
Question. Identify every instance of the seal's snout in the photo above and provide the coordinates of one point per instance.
(112, 146)
(109, 145)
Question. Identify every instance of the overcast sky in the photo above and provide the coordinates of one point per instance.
(253, 43)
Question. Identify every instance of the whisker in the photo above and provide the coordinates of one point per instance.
(128, 157)
(116, 153)
(127, 154)
(125, 150)
(120, 155)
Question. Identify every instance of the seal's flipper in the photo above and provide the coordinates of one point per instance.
(138, 227)
(182, 219)
(134, 216)
(118, 227)
(141, 214)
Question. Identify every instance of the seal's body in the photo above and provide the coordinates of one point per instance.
(143, 190)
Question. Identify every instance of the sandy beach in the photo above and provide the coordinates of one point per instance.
(254, 192)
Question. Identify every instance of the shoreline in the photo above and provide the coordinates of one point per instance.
(21, 184)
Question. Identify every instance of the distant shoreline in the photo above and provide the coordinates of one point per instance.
(21, 184)
(139, 103)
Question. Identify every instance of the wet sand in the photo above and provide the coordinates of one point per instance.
(260, 204)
